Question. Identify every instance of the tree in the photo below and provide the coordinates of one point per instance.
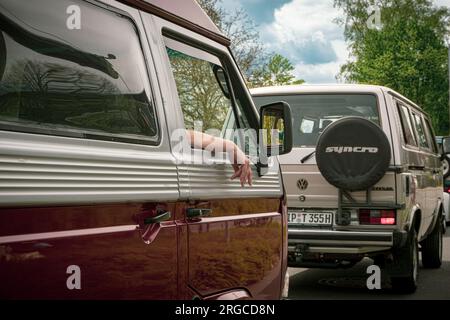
(250, 54)
(276, 72)
(200, 95)
(240, 28)
(407, 54)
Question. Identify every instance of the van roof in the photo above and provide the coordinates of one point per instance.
(186, 13)
(328, 88)
(314, 88)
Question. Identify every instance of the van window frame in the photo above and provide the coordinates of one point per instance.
(400, 106)
(429, 132)
(420, 116)
(226, 63)
(82, 133)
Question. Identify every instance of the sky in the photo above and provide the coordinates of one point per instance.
(304, 31)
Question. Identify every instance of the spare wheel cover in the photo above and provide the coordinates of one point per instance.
(353, 154)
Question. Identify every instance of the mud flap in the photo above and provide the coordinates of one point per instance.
(394, 265)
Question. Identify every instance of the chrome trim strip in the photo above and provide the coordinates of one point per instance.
(341, 238)
(239, 217)
(344, 250)
(66, 234)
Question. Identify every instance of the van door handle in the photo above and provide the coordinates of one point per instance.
(162, 216)
(152, 226)
(196, 212)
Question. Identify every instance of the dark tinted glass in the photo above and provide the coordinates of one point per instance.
(431, 137)
(405, 118)
(420, 130)
(313, 113)
(87, 81)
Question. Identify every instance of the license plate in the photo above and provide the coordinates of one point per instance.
(311, 218)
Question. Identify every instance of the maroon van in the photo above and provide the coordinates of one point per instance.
(98, 198)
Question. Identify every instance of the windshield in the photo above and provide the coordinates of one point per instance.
(313, 113)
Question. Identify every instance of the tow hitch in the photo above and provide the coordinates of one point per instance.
(299, 252)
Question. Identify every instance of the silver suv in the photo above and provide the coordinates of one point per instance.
(364, 180)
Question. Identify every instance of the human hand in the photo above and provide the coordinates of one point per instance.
(243, 172)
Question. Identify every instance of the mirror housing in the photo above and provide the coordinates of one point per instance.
(275, 137)
(446, 145)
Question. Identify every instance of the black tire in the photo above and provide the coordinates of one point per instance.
(432, 247)
(409, 258)
(445, 166)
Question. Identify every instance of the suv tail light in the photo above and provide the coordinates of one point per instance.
(447, 189)
(377, 217)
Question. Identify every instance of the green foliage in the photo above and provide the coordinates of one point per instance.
(408, 53)
(276, 72)
(199, 92)
(258, 67)
(241, 30)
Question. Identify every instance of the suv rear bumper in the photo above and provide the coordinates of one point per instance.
(356, 242)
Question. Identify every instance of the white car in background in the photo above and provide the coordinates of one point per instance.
(445, 168)
(446, 198)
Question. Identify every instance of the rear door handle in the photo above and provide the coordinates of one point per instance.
(152, 225)
(197, 212)
(162, 216)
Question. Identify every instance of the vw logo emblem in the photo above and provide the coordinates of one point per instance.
(302, 184)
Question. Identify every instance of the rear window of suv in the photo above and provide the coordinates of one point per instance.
(313, 113)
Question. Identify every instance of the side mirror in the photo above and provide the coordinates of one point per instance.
(276, 129)
(446, 145)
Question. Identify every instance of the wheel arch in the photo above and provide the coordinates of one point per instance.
(415, 219)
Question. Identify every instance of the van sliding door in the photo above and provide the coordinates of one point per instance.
(89, 186)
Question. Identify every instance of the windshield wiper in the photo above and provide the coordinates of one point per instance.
(307, 157)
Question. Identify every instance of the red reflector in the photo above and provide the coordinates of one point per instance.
(364, 216)
(377, 217)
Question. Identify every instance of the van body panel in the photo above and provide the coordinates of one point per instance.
(46, 170)
(238, 244)
(38, 245)
(423, 165)
(320, 194)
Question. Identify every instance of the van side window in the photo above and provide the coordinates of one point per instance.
(201, 98)
(206, 98)
(430, 135)
(86, 83)
(421, 136)
(405, 118)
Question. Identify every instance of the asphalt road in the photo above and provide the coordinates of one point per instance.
(347, 284)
